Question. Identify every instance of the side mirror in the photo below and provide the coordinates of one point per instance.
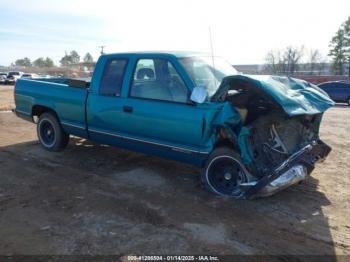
(199, 94)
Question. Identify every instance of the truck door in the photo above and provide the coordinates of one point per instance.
(158, 108)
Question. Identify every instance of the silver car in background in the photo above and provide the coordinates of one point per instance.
(3, 77)
(13, 76)
(30, 76)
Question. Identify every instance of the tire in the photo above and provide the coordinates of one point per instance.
(349, 101)
(50, 133)
(223, 173)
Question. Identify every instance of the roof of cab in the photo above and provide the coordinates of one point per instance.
(178, 54)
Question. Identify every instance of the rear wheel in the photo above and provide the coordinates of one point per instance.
(223, 173)
(349, 101)
(50, 133)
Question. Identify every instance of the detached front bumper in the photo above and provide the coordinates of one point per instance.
(292, 171)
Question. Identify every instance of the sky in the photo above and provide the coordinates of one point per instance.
(242, 31)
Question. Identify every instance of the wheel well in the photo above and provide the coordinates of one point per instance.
(226, 138)
(38, 110)
(226, 143)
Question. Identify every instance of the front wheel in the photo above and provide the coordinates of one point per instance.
(223, 173)
(50, 133)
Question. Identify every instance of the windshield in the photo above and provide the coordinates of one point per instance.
(208, 71)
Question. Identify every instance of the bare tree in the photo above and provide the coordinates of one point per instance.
(273, 62)
(314, 59)
(316, 62)
(291, 58)
(284, 61)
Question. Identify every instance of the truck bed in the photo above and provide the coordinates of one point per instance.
(65, 96)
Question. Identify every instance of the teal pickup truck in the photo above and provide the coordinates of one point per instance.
(252, 135)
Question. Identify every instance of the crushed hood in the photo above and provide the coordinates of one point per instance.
(295, 96)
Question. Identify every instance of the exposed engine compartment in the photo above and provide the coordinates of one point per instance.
(245, 96)
(273, 135)
(273, 138)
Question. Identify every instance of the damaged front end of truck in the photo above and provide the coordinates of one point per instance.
(277, 137)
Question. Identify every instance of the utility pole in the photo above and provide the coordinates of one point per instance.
(102, 47)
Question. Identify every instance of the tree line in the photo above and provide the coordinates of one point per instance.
(291, 59)
(69, 58)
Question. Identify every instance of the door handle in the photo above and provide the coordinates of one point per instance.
(127, 109)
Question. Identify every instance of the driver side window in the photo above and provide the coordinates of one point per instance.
(157, 79)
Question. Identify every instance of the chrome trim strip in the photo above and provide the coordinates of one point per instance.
(22, 112)
(174, 148)
(44, 82)
(71, 125)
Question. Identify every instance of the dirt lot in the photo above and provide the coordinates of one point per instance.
(6, 97)
(95, 199)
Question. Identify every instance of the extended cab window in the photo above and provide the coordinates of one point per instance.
(157, 79)
(112, 79)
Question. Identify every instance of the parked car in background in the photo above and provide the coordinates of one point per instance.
(3, 77)
(44, 76)
(30, 76)
(339, 91)
(179, 106)
(13, 76)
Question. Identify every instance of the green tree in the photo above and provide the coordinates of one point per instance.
(337, 52)
(66, 60)
(340, 48)
(43, 62)
(347, 42)
(40, 62)
(88, 58)
(71, 58)
(49, 62)
(25, 62)
(75, 57)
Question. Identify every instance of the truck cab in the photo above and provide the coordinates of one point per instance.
(149, 94)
